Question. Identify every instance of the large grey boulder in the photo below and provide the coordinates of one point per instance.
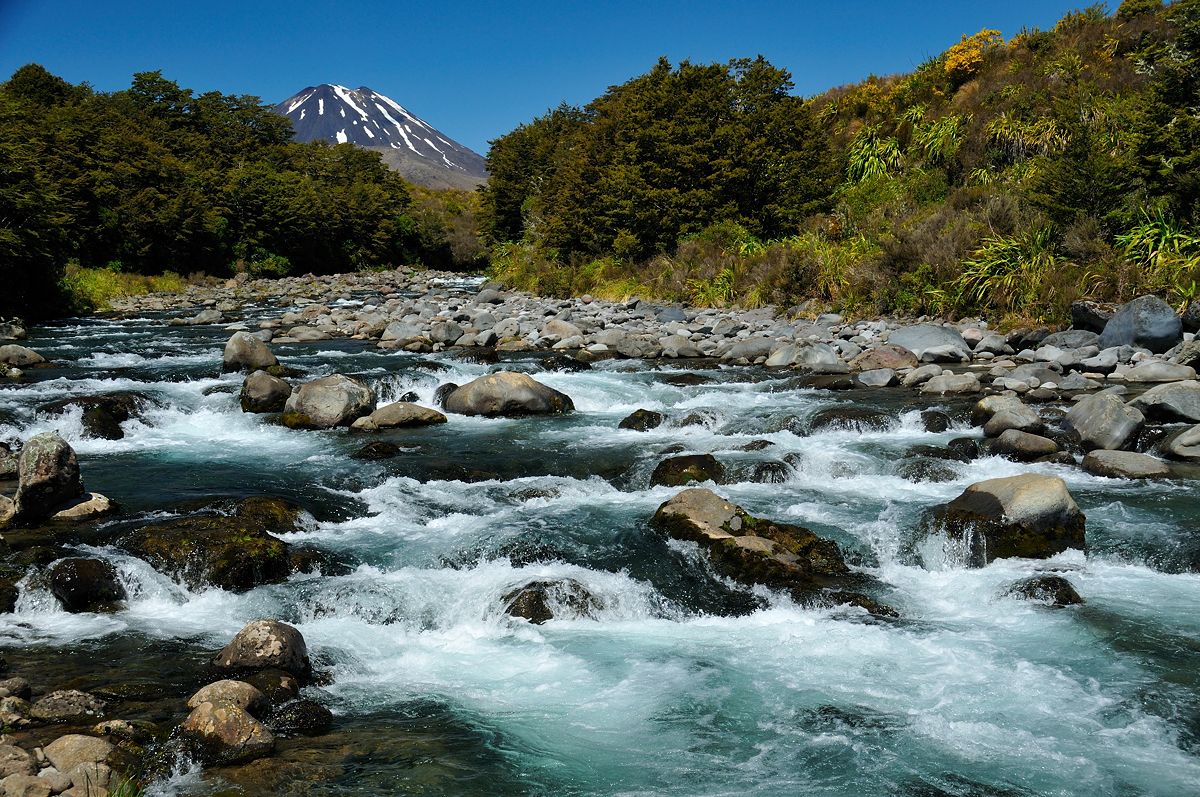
(931, 343)
(1148, 322)
(810, 355)
(507, 393)
(750, 349)
(1171, 402)
(336, 400)
(952, 384)
(887, 356)
(1023, 446)
(47, 478)
(246, 352)
(401, 414)
(1125, 465)
(19, 356)
(262, 392)
(1031, 515)
(1154, 371)
(1102, 420)
(1184, 445)
(1071, 339)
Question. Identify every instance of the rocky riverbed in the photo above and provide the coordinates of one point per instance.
(405, 532)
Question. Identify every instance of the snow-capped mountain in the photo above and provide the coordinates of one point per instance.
(409, 145)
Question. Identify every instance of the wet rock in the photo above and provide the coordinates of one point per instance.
(8, 462)
(266, 644)
(220, 733)
(1184, 445)
(15, 712)
(18, 687)
(247, 352)
(300, 718)
(772, 472)
(1102, 420)
(331, 401)
(935, 421)
(509, 394)
(442, 393)
(377, 450)
(1023, 446)
(642, 420)
(1147, 321)
(678, 471)
(235, 552)
(68, 705)
(277, 685)
(1049, 589)
(102, 415)
(234, 693)
(1030, 515)
(1020, 418)
(86, 585)
(849, 418)
(262, 392)
(926, 470)
(894, 357)
(17, 356)
(15, 761)
(48, 477)
(749, 549)
(539, 601)
(1125, 465)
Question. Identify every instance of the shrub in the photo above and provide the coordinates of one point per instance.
(964, 59)
(90, 289)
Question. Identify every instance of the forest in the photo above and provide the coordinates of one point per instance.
(137, 189)
(1005, 177)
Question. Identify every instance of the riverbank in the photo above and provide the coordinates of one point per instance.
(533, 546)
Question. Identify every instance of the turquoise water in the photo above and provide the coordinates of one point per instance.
(679, 682)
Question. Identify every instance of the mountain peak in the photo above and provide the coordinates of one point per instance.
(364, 117)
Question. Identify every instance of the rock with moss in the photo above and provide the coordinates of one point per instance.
(47, 477)
(642, 420)
(1031, 516)
(678, 471)
(235, 550)
(749, 549)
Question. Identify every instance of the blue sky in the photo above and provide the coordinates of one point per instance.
(475, 70)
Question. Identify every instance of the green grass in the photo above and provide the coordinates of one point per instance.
(90, 289)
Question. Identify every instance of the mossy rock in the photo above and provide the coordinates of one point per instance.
(678, 471)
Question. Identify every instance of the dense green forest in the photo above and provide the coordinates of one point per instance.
(1003, 176)
(100, 186)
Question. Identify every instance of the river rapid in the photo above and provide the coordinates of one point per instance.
(677, 682)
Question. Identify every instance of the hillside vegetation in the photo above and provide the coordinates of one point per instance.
(1006, 177)
(102, 192)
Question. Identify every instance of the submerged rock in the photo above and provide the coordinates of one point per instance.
(642, 420)
(300, 718)
(678, 471)
(266, 644)
(508, 394)
(1049, 589)
(336, 400)
(102, 415)
(68, 705)
(1030, 515)
(849, 418)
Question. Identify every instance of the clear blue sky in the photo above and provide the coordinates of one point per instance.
(475, 70)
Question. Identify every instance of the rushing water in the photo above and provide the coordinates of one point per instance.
(678, 683)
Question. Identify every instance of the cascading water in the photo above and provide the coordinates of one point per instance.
(673, 681)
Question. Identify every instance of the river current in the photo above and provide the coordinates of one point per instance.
(677, 682)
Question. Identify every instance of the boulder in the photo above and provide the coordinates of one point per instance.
(1125, 465)
(1102, 420)
(266, 644)
(678, 471)
(749, 549)
(300, 718)
(1171, 402)
(921, 375)
(1190, 317)
(1048, 589)
(48, 477)
(539, 601)
(8, 462)
(750, 349)
(642, 420)
(1031, 515)
(67, 753)
(19, 357)
(87, 506)
(222, 733)
(1072, 339)
(262, 392)
(809, 355)
(86, 584)
(400, 414)
(234, 551)
(15, 761)
(247, 352)
(336, 400)
(102, 415)
(895, 357)
(952, 384)
(1092, 316)
(556, 330)
(509, 394)
(234, 693)
(1017, 416)
(1147, 321)
(1184, 445)
(1154, 371)
(878, 377)
(1023, 446)
(850, 418)
(68, 705)
(30, 786)
(930, 343)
